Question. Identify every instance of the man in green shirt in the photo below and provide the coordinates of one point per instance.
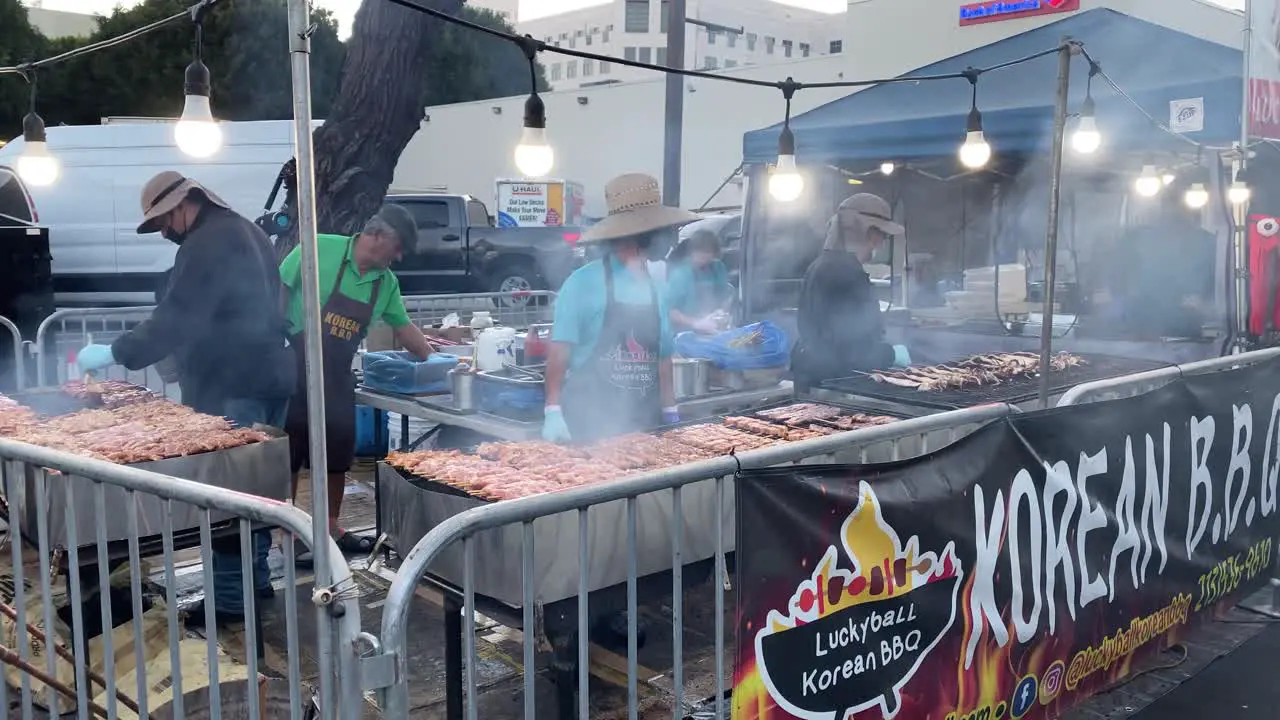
(356, 290)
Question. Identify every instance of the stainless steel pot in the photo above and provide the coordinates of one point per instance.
(691, 377)
(462, 380)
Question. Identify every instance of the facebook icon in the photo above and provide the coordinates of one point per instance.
(1024, 696)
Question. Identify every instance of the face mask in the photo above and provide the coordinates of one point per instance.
(173, 236)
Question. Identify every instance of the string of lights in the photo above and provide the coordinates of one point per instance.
(198, 134)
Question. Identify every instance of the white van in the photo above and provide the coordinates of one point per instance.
(92, 211)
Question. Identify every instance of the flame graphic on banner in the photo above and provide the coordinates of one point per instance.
(882, 568)
(854, 634)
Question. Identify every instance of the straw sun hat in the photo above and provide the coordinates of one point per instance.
(166, 191)
(635, 208)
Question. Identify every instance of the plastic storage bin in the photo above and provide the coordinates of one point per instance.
(402, 373)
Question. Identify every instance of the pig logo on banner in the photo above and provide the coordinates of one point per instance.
(854, 634)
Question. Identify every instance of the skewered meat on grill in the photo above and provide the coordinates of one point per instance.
(718, 438)
(975, 371)
(860, 420)
(799, 414)
(111, 393)
(138, 428)
(506, 470)
(637, 451)
(14, 416)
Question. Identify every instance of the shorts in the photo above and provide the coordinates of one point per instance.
(340, 430)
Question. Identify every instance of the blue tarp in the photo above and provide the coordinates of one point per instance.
(902, 121)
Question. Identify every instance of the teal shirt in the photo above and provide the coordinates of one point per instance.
(580, 307)
(685, 284)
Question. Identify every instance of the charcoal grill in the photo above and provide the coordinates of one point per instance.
(1014, 392)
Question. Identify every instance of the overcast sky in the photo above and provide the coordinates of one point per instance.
(345, 9)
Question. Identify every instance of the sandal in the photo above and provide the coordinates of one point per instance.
(352, 544)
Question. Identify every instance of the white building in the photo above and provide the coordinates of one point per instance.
(508, 9)
(59, 23)
(770, 32)
(599, 132)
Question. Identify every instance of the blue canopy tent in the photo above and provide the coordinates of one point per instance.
(906, 121)
(923, 123)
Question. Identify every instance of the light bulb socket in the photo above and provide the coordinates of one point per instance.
(535, 113)
(1087, 109)
(786, 142)
(33, 128)
(197, 79)
(974, 123)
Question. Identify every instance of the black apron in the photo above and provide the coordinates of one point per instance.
(344, 323)
(616, 391)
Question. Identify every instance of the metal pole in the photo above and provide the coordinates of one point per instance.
(673, 138)
(1240, 238)
(1055, 193)
(300, 60)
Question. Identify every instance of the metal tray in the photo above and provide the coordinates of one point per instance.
(1013, 392)
(409, 510)
(52, 402)
(261, 469)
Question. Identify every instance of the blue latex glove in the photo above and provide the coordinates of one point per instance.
(670, 416)
(553, 427)
(901, 358)
(94, 357)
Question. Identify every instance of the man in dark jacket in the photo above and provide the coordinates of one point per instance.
(841, 330)
(220, 320)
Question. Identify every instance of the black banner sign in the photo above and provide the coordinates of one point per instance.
(1013, 573)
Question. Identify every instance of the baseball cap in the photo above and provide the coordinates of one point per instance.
(873, 211)
(400, 221)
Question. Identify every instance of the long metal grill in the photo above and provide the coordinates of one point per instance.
(1014, 391)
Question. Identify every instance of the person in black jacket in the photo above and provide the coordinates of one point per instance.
(220, 320)
(840, 327)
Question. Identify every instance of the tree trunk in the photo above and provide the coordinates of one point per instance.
(380, 104)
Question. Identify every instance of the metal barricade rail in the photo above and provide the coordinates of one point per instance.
(66, 331)
(53, 486)
(389, 673)
(513, 309)
(1144, 382)
(19, 362)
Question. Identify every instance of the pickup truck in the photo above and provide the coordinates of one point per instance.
(458, 249)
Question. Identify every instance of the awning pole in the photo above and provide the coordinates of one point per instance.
(673, 115)
(300, 60)
(1065, 51)
(1240, 237)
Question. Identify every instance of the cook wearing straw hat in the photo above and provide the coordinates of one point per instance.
(219, 319)
(609, 369)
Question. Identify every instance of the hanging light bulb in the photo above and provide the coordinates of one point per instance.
(534, 156)
(36, 166)
(975, 152)
(197, 134)
(1148, 183)
(1196, 196)
(1239, 192)
(1086, 139)
(887, 168)
(786, 184)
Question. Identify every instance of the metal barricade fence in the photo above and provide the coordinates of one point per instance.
(73, 509)
(513, 309)
(19, 362)
(389, 672)
(65, 332)
(1144, 382)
